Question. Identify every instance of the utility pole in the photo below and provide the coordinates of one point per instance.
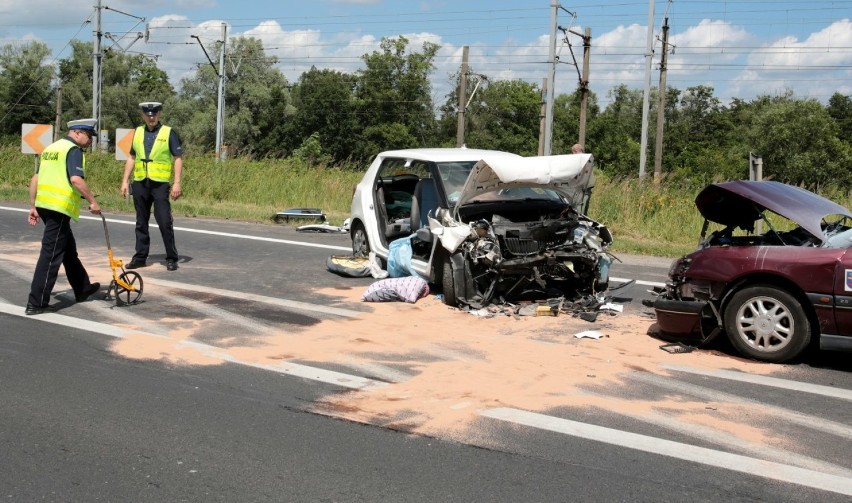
(97, 57)
(58, 125)
(548, 116)
(220, 98)
(98, 69)
(646, 100)
(661, 107)
(584, 85)
(462, 99)
(549, 88)
(542, 116)
(220, 115)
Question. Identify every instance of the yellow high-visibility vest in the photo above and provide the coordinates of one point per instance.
(159, 165)
(54, 191)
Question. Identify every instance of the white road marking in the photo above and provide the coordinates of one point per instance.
(290, 304)
(284, 367)
(222, 315)
(788, 416)
(815, 389)
(638, 282)
(213, 233)
(719, 437)
(261, 238)
(119, 315)
(378, 370)
(734, 462)
(78, 323)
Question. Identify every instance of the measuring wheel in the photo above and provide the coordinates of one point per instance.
(128, 288)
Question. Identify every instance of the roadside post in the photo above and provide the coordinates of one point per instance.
(755, 173)
(755, 167)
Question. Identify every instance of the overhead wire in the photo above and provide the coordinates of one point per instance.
(499, 22)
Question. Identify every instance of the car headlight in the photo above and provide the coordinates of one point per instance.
(679, 267)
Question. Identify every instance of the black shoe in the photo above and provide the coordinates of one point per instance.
(171, 265)
(135, 264)
(85, 294)
(31, 309)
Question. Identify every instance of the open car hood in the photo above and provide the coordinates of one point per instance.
(570, 175)
(739, 203)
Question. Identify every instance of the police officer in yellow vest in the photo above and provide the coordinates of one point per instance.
(155, 155)
(55, 193)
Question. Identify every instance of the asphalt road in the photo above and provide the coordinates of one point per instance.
(220, 386)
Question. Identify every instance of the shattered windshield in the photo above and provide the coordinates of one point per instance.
(774, 229)
(453, 176)
(838, 232)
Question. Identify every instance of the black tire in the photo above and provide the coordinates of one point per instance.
(124, 296)
(767, 323)
(448, 284)
(458, 284)
(360, 241)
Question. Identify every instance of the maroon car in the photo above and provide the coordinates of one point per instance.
(773, 271)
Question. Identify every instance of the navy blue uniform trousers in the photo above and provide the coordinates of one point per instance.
(145, 194)
(58, 247)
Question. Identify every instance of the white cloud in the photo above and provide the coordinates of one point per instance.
(621, 37)
(817, 66)
(714, 34)
(298, 50)
(171, 40)
(829, 46)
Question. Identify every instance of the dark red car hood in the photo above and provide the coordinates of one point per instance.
(740, 202)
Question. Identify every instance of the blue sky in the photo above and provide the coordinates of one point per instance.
(741, 48)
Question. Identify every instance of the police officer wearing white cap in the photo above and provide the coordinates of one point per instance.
(55, 192)
(156, 156)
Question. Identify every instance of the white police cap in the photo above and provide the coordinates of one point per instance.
(86, 124)
(150, 107)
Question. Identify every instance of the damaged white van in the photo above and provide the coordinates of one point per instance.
(485, 226)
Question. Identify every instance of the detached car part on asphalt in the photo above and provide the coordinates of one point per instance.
(771, 292)
(486, 226)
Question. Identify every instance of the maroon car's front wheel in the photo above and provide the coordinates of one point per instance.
(767, 323)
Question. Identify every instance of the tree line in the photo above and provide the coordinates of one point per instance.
(333, 117)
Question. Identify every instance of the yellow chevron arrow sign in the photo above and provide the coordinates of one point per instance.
(35, 137)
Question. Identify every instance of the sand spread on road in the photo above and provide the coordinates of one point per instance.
(444, 366)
